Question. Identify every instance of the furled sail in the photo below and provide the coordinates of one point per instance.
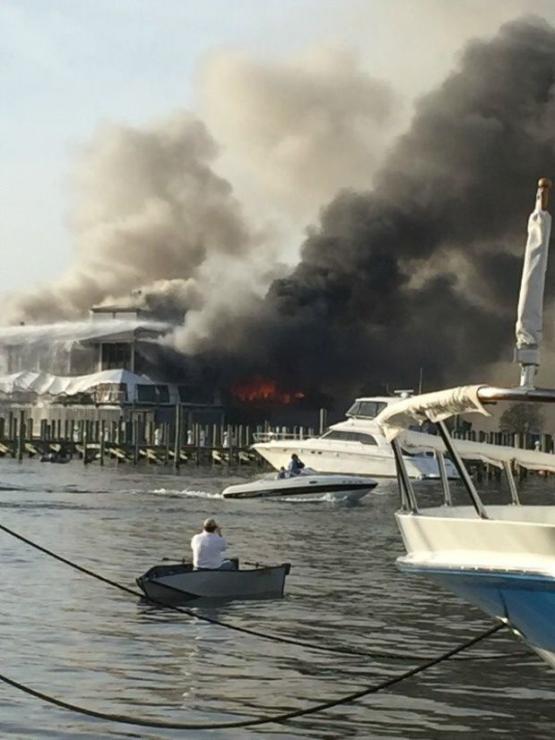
(529, 322)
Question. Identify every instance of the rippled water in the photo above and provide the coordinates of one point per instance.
(80, 640)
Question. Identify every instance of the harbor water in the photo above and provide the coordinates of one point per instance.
(86, 643)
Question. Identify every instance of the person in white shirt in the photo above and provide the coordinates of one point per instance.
(208, 548)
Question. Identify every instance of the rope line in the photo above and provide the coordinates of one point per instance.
(276, 719)
(220, 623)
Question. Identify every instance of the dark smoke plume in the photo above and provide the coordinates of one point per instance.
(423, 272)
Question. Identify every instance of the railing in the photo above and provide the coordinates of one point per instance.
(270, 436)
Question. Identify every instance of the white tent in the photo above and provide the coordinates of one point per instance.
(46, 385)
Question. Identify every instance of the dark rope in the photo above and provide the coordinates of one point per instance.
(278, 718)
(211, 620)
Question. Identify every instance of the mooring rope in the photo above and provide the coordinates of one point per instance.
(227, 625)
(264, 720)
(220, 623)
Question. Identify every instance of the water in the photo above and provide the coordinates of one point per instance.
(82, 641)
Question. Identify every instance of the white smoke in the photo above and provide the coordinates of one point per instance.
(155, 225)
(150, 212)
(295, 133)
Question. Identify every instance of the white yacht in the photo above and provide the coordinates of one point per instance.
(355, 446)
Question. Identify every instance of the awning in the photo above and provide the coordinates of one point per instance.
(45, 384)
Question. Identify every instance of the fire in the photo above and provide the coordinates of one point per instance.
(264, 389)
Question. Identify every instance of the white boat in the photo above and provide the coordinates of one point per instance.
(500, 557)
(308, 486)
(179, 582)
(354, 446)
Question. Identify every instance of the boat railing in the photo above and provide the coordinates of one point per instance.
(409, 502)
(270, 436)
(487, 395)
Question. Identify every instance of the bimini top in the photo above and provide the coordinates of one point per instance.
(395, 422)
(436, 406)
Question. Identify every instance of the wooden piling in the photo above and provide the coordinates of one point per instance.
(102, 441)
(85, 441)
(21, 436)
(177, 438)
(135, 428)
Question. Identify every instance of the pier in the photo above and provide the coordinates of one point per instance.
(134, 437)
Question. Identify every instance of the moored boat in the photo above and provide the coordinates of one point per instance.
(499, 557)
(355, 446)
(179, 582)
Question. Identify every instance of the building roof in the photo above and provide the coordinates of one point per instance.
(68, 332)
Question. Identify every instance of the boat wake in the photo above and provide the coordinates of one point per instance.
(324, 498)
(191, 493)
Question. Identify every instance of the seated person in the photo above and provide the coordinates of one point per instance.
(296, 465)
(208, 547)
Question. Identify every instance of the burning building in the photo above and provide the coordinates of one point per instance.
(109, 362)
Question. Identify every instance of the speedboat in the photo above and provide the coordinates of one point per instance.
(307, 485)
(355, 446)
(179, 582)
(499, 557)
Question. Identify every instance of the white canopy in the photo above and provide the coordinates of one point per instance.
(396, 419)
(44, 384)
(530, 304)
(437, 406)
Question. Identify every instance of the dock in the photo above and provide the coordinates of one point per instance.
(135, 440)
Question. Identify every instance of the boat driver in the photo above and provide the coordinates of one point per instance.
(295, 466)
(208, 548)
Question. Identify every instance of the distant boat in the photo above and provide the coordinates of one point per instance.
(307, 486)
(355, 446)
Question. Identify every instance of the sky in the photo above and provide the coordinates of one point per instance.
(69, 66)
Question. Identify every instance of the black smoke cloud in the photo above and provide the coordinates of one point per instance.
(423, 271)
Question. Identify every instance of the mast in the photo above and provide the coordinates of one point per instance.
(529, 321)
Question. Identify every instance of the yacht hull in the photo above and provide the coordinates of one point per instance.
(526, 602)
(364, 462)
(505, 564)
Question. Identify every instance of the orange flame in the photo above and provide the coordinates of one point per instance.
(264, 389)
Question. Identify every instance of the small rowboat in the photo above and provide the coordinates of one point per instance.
(178, 582)
(307, 485)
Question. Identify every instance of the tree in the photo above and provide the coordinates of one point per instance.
(522, 418)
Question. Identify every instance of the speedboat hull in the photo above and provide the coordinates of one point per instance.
(305, 486)
(170, 584)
